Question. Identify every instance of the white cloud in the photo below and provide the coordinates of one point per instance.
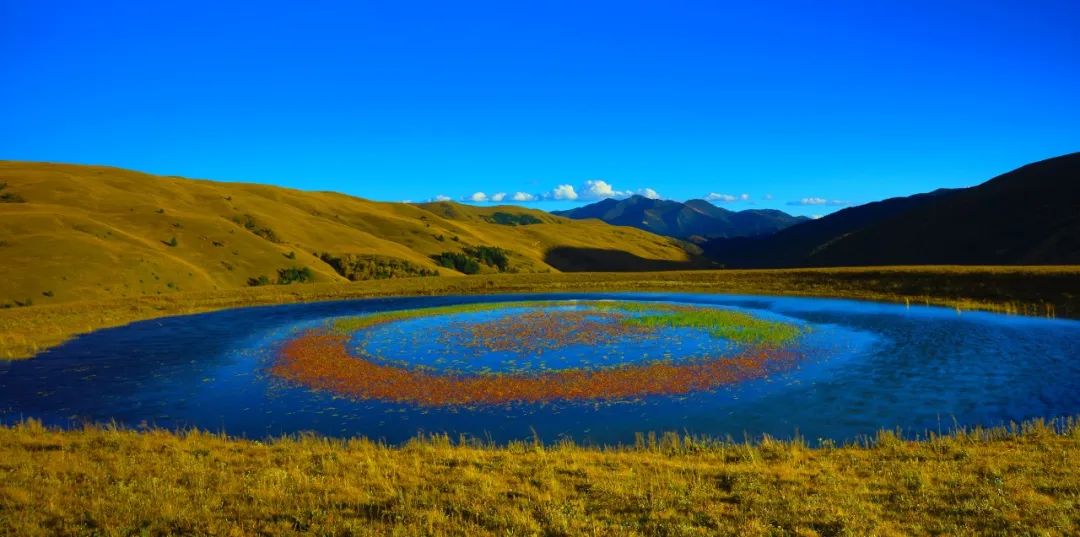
(649, 193)
(768, 196)
(818, 201)
(598, 190)
(722, 198)
(590, 190)
(816, 216)
(564, 192)
(744, 197)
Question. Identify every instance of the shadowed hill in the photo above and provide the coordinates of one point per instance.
(1030, 215)
(694, 220)
(71, 232)
(575, 259)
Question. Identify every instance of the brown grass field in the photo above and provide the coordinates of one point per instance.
(102, 481)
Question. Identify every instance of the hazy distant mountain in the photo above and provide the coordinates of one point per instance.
(1030, 215)
(695, 220)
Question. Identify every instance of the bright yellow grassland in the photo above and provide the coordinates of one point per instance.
(1024, 481)
(101, 232)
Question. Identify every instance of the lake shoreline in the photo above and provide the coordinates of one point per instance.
(1051, 291)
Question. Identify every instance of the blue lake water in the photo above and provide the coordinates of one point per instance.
(869, 366)
(440, 343)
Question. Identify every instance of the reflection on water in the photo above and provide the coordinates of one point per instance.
(872, 365)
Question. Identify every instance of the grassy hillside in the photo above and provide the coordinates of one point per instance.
(72, 232)
(1017, 481)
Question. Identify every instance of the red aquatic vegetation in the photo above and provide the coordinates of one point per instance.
(319, 359)
(537, 331)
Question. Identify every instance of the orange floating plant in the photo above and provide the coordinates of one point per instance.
(320, 360)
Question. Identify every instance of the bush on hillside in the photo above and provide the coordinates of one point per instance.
(262, 279)
(457, 261)
(491, 256)
(470, 260)
(512, 219)
(295, 275)
(9, 197)
(251, 224)
(373, 267)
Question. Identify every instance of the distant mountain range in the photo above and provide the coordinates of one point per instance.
(1030, 215)
(695, 220)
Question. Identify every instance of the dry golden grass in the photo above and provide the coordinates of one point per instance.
(1020, 290)
(101, 481)
(100, 232)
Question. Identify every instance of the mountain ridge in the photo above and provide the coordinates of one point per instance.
(1030, 215)
(695, 220)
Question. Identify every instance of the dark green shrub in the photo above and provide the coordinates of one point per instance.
(491, 256)
(260, 280)
(249, 223)
(470, 261)
(373, 267)
(457, 261)
(512, 219)
(171, 242)
(295, 275)
(11, 197)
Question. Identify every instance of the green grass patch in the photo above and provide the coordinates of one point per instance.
(732, 325)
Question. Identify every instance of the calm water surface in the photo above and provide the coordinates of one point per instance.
(870, 365)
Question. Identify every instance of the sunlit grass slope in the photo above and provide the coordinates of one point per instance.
(72, 232)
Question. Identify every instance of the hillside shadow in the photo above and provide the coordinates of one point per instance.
(574, 259)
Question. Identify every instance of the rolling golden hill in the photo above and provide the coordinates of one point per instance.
(73, 232)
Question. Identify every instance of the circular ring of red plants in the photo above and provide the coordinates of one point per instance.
(320, 359)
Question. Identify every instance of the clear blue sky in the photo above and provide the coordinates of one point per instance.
(851, 101)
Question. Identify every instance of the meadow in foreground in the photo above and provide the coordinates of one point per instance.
(1022, 480)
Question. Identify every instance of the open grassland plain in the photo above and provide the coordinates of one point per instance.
(1041, 291)
(1021, 480)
